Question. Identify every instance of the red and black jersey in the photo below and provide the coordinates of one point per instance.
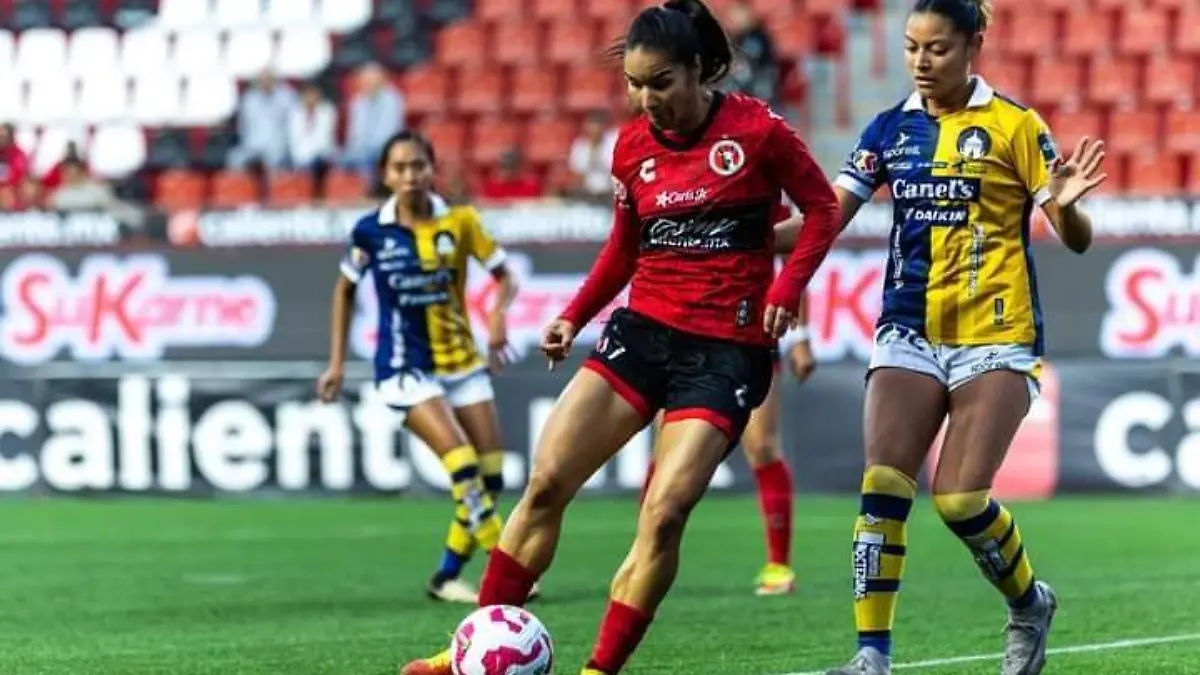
(694, 222)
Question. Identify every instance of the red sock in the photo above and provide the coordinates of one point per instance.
(775, 500)
(505, 581)
(646, 483)
(620, 633)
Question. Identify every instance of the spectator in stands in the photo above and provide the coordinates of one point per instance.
(759, 71)
(376, 113)
(54, 177)
(590, 160)
(262, 125)
(80, 191)
(312, 132)
(511, 180)
(15, 180)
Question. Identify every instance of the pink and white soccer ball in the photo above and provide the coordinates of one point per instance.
(502, 640)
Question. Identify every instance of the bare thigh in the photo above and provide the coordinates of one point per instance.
(482, 424)
(435, 423)
(903, 413)
(760, 440)
(984, 417)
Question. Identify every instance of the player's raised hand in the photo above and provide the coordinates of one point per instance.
(557, 339)
(329, 385)
(777, 319)
(1079, 174)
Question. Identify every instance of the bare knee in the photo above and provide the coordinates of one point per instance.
(764, 451)
(546, 493)
(662, 524)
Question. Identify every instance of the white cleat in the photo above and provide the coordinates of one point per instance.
(1026, 633)
(453, 590)
(868, 661)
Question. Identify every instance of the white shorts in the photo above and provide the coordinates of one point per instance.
(407, 390)
(952, 365)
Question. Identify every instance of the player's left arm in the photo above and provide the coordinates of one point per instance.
(1056, 183)
(494, 258)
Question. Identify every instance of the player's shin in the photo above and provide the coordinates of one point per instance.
(989, 531)
(880, 541)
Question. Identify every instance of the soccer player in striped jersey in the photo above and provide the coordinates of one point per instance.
(960, 336)
(427, 366)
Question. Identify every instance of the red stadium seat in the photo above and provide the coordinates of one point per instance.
(1069, 126)
(1170, 80)
(548, 141)
(1192, 181)
(826, 7)
(1187, 31)
(1030, 33)
(231, 189)
(491, 138)
(180, 190)
(795, 37)
(610, 9)
(1143, 31)
(426, 90)
(534, 90)
(1087, 32)
(1151, 174)
(572, 42)
(500, 10)
(347, 187)
(561, 11)
(517, 43)
(287, 190)
(1183, 130)
(1133, 131)
(449, 139)
(462, 44)
(1113, 81)
(1056, 81)
(590, 88)
(1008, 76)
(480, 90)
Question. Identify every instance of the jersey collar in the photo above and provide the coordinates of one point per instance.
(982, 96)
(387, 212)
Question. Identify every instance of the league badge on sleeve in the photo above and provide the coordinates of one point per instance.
(1048, 147)
(865, 162)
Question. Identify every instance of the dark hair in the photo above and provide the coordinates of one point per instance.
(406, 136)
(969, 17)
(684, 30)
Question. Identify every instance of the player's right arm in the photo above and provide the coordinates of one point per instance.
(862, 174)
(354, 265)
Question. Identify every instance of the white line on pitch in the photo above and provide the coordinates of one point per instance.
(1076, 649)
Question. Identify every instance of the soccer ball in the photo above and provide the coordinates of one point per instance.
(502, 640)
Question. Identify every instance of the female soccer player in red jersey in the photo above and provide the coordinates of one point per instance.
(959, 339)
(697, 179)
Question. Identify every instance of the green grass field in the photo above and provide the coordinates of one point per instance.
(323, 587)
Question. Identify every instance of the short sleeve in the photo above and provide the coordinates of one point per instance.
(483, 246)
(863, 173)
(1034, 152)
(357, 259)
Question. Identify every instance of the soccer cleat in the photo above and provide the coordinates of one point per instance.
(775, 579)
(868, 661)
(591, 671)
(435, 665)
(453, 590)
(1026, 632)
(535, 593)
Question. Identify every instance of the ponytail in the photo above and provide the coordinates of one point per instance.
(687, 32)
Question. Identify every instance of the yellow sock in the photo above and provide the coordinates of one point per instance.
(476, 510)
(880, 541)
(491, 464)
(988, 529)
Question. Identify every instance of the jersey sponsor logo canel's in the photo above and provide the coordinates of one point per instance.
(726, 157)
(950, 189)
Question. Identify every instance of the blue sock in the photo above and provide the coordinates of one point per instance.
(880, 640)
(1027, 599)
(451, 567)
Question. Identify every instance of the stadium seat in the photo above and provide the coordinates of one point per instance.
(41, 53)
(1170, 80)
(174, 14)
(795, 36)
(93, 51)
(77, 14)
(231, 189)
(1143, 30)
(236, 13)
(1056, 81)
(352, 50)
(609, 10)
(180, 190)
(479, 91)
(1192, 180)
(1150, 174)
(303, 52)
(249, 51)
(517, 43)
(827, 8)
(212, 147)
(1183, 128)
(426, 90)
(444, 12)
(51, 101)
(104, 97)
(589, 88)
(462, 44)
(449, 139)
(1087, 32)
(344, 16)
(289, 190)
(491, 138)
(533, 90)
(197, 50)
(572, 42)
(548, 141)
(51, 148)
(558, 11)
(208, 98)
(344, 187)
(1032, 35)
(283, 13)
(1187, 31)
(1008, 76)
(12, 97)
(145, 51)
(408, 52)
(1131, 131)
(1069, 126)
(1113, 81)
(156, 99)
(117, 150)
(494, 11)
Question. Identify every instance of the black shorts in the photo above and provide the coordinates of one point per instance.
(687, 376)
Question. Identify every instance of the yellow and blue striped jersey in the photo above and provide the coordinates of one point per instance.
(420, 274)
(960, 268)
